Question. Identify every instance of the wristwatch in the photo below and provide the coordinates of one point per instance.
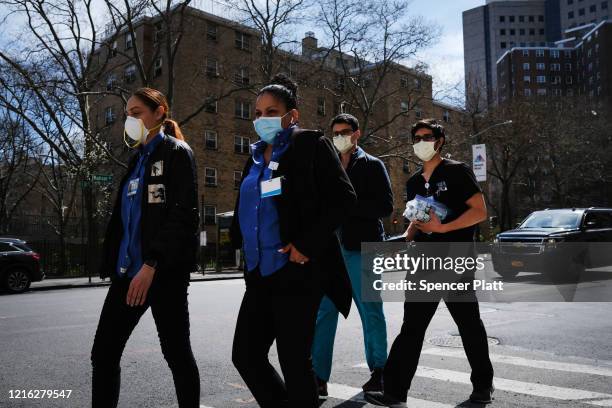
(151, 262)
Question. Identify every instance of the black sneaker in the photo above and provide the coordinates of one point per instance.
(383, 400)
(322, 388)
(375, 383)
(482, 395)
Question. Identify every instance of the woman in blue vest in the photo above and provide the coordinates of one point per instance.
(150, 248)
(293, 195)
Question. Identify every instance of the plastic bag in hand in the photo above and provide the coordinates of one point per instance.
(418, 209)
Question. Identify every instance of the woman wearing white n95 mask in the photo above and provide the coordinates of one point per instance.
(150, 248)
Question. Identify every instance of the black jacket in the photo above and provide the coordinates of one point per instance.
(374, 201)
(170, 226)
(316, 196)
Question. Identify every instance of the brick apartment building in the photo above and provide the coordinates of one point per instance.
(579, 65)
(219, 57)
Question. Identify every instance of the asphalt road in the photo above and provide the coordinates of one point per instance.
(549, 354)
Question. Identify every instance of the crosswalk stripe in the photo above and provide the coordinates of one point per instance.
(538, 390)
(347, 393)
(520, 361)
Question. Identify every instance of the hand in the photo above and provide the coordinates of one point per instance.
(410, 231)
(139, 287)
(434, 224)
(295, 255)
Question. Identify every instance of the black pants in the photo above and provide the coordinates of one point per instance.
(169, 307)
(281, 307)
(406, 349)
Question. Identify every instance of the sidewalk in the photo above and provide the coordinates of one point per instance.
(67, 283)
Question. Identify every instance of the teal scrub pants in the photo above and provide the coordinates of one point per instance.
(372, 321)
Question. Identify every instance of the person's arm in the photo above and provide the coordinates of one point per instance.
(235, 233)
(380, 203)
(337, 197)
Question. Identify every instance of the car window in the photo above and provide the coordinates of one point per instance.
(552, 219)
(23, 247)
(6, 247)
(598, 220)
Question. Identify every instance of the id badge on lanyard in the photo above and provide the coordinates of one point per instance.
(132, 187)
(272, 187)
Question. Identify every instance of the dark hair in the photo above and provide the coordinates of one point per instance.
(346, 118)
(153, 99)
(283, 88)
(431, 124)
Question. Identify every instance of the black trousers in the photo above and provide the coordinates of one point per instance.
(406, 349)
(281, 307)
(169, 306)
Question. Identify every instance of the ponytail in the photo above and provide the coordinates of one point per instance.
(172, 128)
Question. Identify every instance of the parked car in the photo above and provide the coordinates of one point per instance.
(556, 241)
(19, 265)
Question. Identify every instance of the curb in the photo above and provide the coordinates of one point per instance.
(102, 284)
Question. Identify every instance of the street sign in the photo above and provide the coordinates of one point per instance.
(479, 161)
(102, 178)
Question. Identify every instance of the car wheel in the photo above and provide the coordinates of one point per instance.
(17, 280)
(507, 273)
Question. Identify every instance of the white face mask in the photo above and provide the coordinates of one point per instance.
(425, 150)
(343, 143)
(135, 131)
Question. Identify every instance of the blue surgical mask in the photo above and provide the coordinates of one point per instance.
(269, 127)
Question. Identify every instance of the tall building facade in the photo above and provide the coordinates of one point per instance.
(488, 32)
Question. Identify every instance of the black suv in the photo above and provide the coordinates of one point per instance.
(562, 242)
(19, 265)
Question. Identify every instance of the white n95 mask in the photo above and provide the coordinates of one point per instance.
(343, 143)
(135, 133)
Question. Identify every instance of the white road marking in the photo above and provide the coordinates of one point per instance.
(521, 387)
(524, 362)
(347, 393)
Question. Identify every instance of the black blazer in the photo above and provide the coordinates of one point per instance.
(316, 197)
(170, 225)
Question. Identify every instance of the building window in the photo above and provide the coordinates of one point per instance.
(512, 31)
(128, 40)
(540, 53)
(210, 215)
(527, 79)
(525, 66)
(241, 144)
(237, 179)
(521, 19)
(556, 92)
(527, 92)
(211, 32)
(581, 12)
(418, 113)
(568, 66)
(210, 106)
(446, 117)
(243, 41)
(525, 53)
(511, 19)
(540, 66)
(569, 80)
(242, 76)
(541, 91)
(503, 45)
(568, 54)
(532, 31)
(109, 116)
(556, 80)
(570, 2)
(110, 82)
(554, 54)
(157, 67)
(541, 18)
(555, 67)
(570, 14)
(502, 31)
(321, 106)
(159, 32)
(521, 31)
(404, 82)
(569, 92)
(604, 5)
(404, 106)
(129, 75)
(541, 79)
(210, 139)
(212, 67)
(502, 19)
(593, 8)
(242, 110)
(210, 177)
(113, 49)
